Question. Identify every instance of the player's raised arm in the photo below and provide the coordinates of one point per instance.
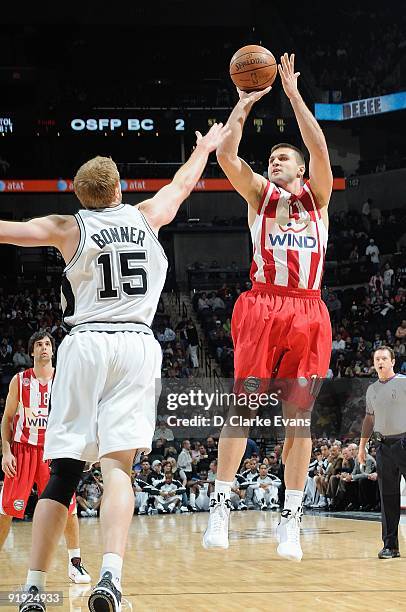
(321, 178)
(43, 231)
(8, 462)
(162, 208)
(248, 183)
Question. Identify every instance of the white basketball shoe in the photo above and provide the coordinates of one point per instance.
(288, 535)
(216, 534)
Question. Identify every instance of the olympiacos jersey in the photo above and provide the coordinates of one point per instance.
(289, 239)
(31, 418)
(118, 272)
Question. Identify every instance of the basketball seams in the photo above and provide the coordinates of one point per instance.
(250, 53)
(253, 69)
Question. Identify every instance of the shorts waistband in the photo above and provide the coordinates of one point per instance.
(287, 291)
(391, 439)
(112, 328)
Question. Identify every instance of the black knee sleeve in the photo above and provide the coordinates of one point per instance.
(65, 476)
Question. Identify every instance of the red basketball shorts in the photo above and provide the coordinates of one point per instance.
(31, 469)
(281, 333)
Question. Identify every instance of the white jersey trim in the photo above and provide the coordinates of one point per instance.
(151, 231)
(81, 244)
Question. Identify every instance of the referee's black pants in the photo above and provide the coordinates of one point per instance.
(390, 466)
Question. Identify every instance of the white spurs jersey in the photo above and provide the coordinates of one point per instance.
(118, 271)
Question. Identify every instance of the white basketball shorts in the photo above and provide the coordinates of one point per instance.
(104, 395)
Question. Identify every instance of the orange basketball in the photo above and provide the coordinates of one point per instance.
(253, 68)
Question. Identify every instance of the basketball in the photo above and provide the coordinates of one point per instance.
(253, 68)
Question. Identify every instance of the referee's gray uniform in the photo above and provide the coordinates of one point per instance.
(386, 400)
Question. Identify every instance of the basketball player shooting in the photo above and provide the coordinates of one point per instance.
(103, 395)
(22, 434)
(281, 327)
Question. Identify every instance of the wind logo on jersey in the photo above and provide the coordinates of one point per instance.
(36, 417)
(294, 233)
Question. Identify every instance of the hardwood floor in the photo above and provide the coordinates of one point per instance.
(166, 568)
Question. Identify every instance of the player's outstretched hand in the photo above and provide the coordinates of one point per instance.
(252, 96)
(9, 465)
(288, 75)
(214, 137)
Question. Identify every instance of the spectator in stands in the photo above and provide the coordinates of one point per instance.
(203, 303)
(202, 460)
(360, 495)
(338, 344)
(372, 252)
(212, 473)
(211, 448)
(354, 255)
(156, 474)
(170, 466)
(21, 359)
(6, 353)
(322, 478)
(169, 498)
(388, 276)
(192, 344)
(401, 331)
(166, 335)
(339, 473)
(376, 284)
(273, 464)
(145, 472)
(366, 214)
(185, 461)
(399, 348)
(90, 493)
(199, 491)
(265, 489)
(162, 431)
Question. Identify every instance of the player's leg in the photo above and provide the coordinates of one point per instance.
(296, 470)
(5, 524)
(50, 517)
(252, 322)
(76, 571)
(116, 512)
(309, 337)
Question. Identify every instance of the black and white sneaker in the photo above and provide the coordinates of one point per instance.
(32, 605)
(105, 597)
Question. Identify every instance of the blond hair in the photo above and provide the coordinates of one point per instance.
(96, 181)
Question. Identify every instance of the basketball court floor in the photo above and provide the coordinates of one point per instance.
(166, 568)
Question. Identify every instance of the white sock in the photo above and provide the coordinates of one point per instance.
(112, 563)
(293, 500)
(221, 486)
(73, 552)
(36, 578)
(192, 499)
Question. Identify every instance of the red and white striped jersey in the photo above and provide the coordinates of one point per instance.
(289, 239)
(31, 418)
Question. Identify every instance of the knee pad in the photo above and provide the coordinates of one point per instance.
(65, 476)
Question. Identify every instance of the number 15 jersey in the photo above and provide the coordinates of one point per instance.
(118, 271)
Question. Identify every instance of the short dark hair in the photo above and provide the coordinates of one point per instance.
(40, 335)
(386, 348)
(286, 145)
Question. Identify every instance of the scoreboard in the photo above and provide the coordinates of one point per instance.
(134, 122)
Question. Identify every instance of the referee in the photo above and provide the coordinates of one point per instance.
(386, 417)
